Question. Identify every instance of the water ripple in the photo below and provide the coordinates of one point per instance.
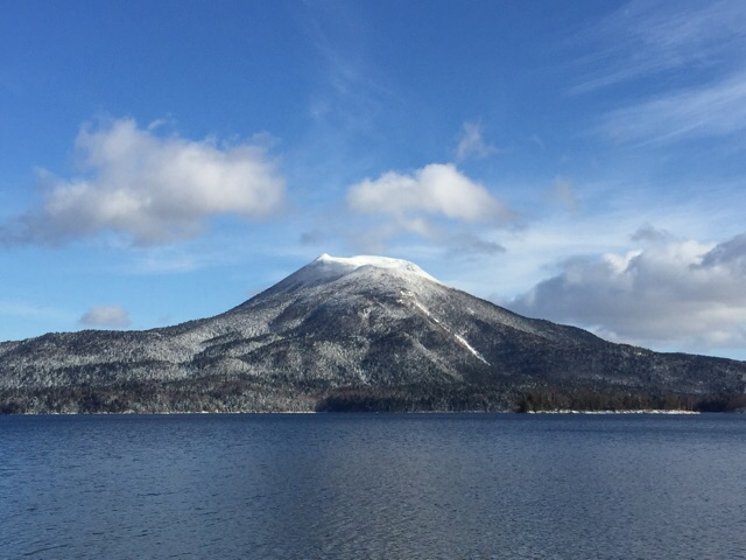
(336, 486)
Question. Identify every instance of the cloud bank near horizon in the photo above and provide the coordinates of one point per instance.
(670, 292)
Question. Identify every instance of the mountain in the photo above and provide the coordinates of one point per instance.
(360, 333)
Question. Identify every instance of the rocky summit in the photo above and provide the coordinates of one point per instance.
(360, 333)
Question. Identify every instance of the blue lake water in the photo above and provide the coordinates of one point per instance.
(373, 486)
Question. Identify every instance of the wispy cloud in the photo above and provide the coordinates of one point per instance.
(471, 143)
(151, 188)
(471, 246)
(106, 316)
(33, 311)
(563, 193)
(349, 91)
(644, 38)
(649, 233)
(677, 69)
(704, 111)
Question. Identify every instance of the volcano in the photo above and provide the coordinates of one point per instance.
(359, 333)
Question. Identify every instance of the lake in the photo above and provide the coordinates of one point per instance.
(373, 486)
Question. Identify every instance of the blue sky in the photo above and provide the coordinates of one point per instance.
(577, 161)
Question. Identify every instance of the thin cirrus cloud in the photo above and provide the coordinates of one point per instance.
(705, 111)
(670, 293)
(686, 59)
(645, 38)
(435, 190)
(150, 188)
(113, 316)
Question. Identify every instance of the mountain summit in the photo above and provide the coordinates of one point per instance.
(363, 332)
(325, 267)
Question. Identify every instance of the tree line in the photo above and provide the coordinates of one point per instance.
(240, 394)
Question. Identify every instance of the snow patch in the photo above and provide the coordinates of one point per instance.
(470, 348)
(426, 311)
(459, 338)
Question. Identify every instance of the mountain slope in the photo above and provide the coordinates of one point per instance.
(365, 328)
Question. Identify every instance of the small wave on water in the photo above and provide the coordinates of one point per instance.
(373, 486)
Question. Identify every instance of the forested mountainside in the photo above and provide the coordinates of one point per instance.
(360, 333)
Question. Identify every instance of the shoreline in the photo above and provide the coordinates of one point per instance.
(631, 411)
(679, 412)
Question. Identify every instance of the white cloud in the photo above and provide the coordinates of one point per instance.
(471, 143)
(151, 188)
(436, 202)
(434, 190)
(677, 294)
(106, 316)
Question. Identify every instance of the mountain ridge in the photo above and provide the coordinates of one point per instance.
(360, 332)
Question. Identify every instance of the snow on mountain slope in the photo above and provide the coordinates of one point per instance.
(336, 318)
(357, 321)
(351, 295)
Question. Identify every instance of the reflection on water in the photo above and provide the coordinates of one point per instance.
(373, 486)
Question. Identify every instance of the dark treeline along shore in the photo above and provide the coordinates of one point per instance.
(357, 334)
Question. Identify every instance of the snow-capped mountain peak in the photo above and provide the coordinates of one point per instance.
(348, 264)
(327, 268)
